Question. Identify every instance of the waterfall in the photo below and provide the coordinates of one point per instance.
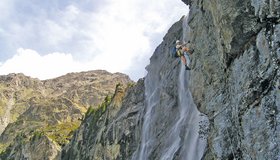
(147, 139)
(193, 144)
(182, 139)
(185, 133)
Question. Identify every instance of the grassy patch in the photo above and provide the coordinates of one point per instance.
(129, 85)
(60, 133)
(102, 107)
(3, 147)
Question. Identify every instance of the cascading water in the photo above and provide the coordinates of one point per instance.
(146, 134)
(181, 140)
(193, 144)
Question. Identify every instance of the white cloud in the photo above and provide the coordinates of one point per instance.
(116, 36)
(30, 63)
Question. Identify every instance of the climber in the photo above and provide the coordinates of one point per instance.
(183, 50)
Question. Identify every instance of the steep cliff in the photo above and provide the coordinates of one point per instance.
(235, 76)
(157, 118)
(234, 82)
(116, 132)
(111, 132)
(44, 114)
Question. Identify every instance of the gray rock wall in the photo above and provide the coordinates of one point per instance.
(38, 147)
(235, 76)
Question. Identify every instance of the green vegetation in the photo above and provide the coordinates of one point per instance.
(3, 147)
(105, 103)
(60, 133)
(4, 151)
(21, 138)
(47, 109)
(103, 106)
(37, 135)
(90, 111)
(118, 85)
(129, 85)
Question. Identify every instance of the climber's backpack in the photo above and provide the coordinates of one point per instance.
(174, 52)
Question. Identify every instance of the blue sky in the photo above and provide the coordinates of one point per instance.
(46, 39)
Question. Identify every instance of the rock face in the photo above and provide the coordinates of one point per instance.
(111, 132)
(115, 133)
(235, 76)
(45, 113)
(234, 83)
(156, 119)
(37, 147)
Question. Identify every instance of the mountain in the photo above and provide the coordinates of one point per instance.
(226, 107)
(45, 113)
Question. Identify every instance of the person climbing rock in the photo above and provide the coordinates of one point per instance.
(182, 51)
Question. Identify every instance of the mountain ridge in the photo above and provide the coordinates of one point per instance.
(51, 108)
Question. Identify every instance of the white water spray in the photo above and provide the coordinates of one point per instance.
(182, 140)
(185, 133)
(147, 139)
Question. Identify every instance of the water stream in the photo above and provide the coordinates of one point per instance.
(182, 140)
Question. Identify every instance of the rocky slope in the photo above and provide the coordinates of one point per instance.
(234, 81)
(111, 132)
(45, 113)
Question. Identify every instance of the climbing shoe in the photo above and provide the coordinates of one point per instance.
(187, 68)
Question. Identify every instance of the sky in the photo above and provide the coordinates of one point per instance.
(47, 39)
